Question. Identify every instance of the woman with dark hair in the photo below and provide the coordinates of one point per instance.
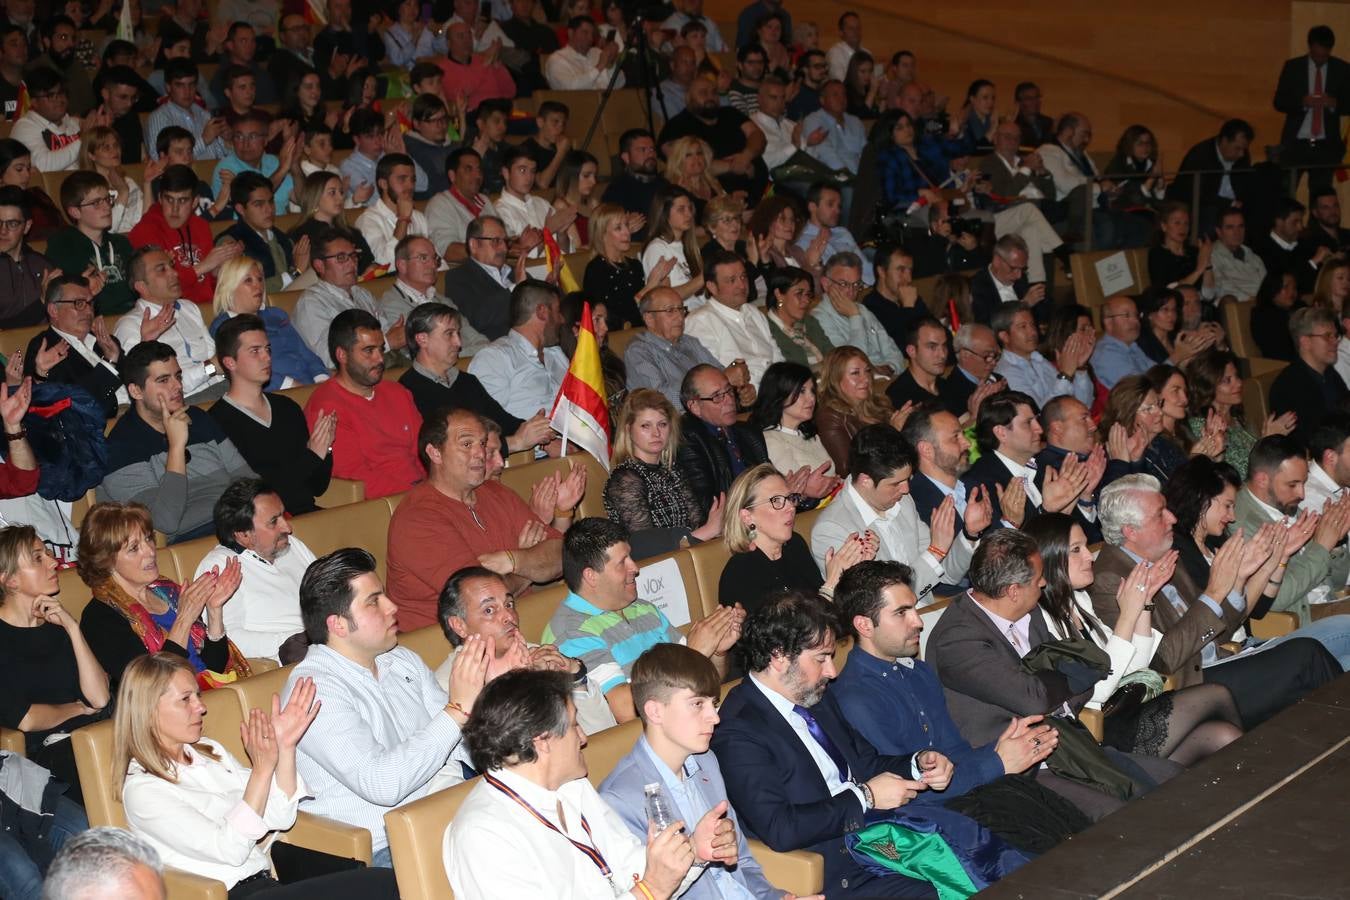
(673, 236)
(784, 411)
(1177, 441)
(908, 167)
(1065, 321)
(1133, 404)
(616, 375)
(16, 168)
(1276, 301)
(1184, 726)
(303, 104)
(797, 334)
(1160, 310)
(774, 227)
(978, 125)
(1173, 259)
(1215, 389)
(860, 86)
(1135, 164)
(576, 187)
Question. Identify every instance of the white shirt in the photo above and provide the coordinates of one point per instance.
(448, 219)
(126, 215)
(187, 336)
(494, 848)
(519, 213)
(1240, 277)
(201, 824)
(838, 57)
(511, 371)
(1319, 488)
(85, 348)
(1026, 473)
(1015, 167)
(265, 611)
(377, 742)
(568, 70)
(1065, 171)
(593, 712)
(377, 225)
(1006, 292)
(31, 132)
(731, 334)
(779, 145)
(493, 32)
(658, 249)
(885, 526)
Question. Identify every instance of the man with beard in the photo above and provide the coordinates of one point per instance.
(119, 88)
(458, 517)
(58, 54)
(377, 420)
(737, 143)
(636, 187)
(524, 369)
(944, 456)
(1324, 208)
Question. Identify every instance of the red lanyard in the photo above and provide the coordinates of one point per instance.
(591, 853)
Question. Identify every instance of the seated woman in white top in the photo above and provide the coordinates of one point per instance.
(672, 237)
(785, 411)
(1184, 726)
(203, 810)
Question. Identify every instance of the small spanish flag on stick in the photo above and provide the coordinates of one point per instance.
(22, 103)
(581, 412)
(314, 13)
(553, 256)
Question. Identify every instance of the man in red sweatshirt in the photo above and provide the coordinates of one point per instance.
(172, 225)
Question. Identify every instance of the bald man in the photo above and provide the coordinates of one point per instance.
(1117, 353)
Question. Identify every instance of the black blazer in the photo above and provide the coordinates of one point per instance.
(1297, 261)
(481, 300)
(704, 463)
(984, 297)
(778, 792)
(925, 494)
(74, 369)
(988, 471)
(1298, 389)
(1205, 155)
(1294, 85)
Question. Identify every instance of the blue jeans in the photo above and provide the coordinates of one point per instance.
(382, 859)
(23, 860)
(1333, 632)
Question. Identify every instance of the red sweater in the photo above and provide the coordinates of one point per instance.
(187, 246)
(376, 439)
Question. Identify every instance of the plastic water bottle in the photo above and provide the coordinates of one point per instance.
(660, 811)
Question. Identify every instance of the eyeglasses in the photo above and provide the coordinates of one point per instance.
(1150, 408)
(848, 285)
(1325, 335)
(11, 224)
(106, 200)
(724, 394)
(78, 304)
(492, 240)
(249, 137)
(678, 310)
(426, 257)
(778, 501)
(1128, 315)
(991, 357)
(341, 257)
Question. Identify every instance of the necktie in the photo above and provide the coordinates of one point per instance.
(1016, 640)
(1317, 131)
(733, 451)
(824, 741)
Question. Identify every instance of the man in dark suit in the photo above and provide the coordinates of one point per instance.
(797, 773)
(1324, 225)
(976, 648)
(1005, 280)
(1311, 92)
(77, 348)
(1309, 386)
(1283, 248)
(944, 456)
(1068, 429)
(481, 286)
(1228, 151)
(1036, 127)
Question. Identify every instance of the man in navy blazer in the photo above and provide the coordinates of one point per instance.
(1312, 90)
(675, 691)
(797, 773)
(943, 451)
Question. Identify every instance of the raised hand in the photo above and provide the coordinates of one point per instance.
(259, 740)
(468, 673)
(1013, 500)
(1118, 443)
(1223, 572)
(517, 656)
(50, 356)
(152, 326)
(819, 483)
(14, 406)
(1133, 593)
(1061, 489)
(714, 836)
(14, 369)
(533, 532)
(291, 723)
(979, 511)
(49, 610)
(1257, 551)
(712, 526)
(669, 856)
(942, 524)
(227, 582)
(1026, 742)
(322, 435)
(1299, 532)
(901, 415)
(1279, 424)
(544, 497)
(572, 488)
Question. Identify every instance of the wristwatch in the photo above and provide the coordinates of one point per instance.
(868, 802)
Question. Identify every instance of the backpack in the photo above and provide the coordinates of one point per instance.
(66, 431)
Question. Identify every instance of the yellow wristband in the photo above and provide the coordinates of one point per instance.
(512, 557)
(560, 513)
(646, 891)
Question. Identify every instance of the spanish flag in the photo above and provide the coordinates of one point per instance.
(314, 13)
(581, 412)
(22, 104)
(553, 255)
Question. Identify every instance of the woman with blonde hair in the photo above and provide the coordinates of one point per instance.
(613, 277)
(646, 492)
(321, 200)
(53, 680)
(689, 165)
(724, 221)
(768, 556)
(205, 811)
(849, 399)
(1333, 285)
(241, 290)
(672, 245)
(101, 152)
(134, 611)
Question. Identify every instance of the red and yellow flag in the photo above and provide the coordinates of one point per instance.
(553, 256)
(314, 14)
(22, 103)
(581, 411)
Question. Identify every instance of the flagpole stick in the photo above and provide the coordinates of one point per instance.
(567, 420)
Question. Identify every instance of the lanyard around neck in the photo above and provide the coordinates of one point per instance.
(591, 852)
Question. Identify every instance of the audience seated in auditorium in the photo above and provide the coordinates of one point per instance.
(1077, 184)
(449, 213)
(636, 186)
(1324, 221)
(646, 493)
(1184, 725)
(799, 336)
(320, 198)
(1068, 429)
(1135, 164)
(714, 447)
(164, 453)
(173, 224)
(336, 291)
(549, 146)
(614, 278)
(134, 611)
(482, 286)
(49, 132)
(524, 369)
(607, 626)
(1194, 622)
(894, 300)
(784, 412)
(241, 290)
(248, 140)
(1117, 352)
(475, 601)
(416, 262)
(375, 440)
(381, 742)
(89, 246)
(269, 429)
(253, 526)
(181, 109)
(458, 517)
(1332, 290)
(1283, 248)
(584, 63)
(1310, 387)
(841, 151)
(1027, 371)
(255, 205)
(977, 354)
(1328, 463)
(1019, 178)
(727, 325)
(76, 348)
(526, 215)
(478, 77)
(849, 398)
(847, 321)
(240, 48)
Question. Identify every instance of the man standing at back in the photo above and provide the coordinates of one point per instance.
(1311, 92)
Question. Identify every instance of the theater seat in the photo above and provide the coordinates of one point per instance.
(416, 836)
(536, 608)
(429, 643)
(364, 524)
(709, 559)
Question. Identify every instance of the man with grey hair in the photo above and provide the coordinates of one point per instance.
(976, 354)
(102, 863)
(977, 649)
(659, 357)
(417, 264)
(1190, 624)
(1310, 387)
(524, 369)
(1004, 280)
(1030, 372)
(1118, 353)
(482, 286)
(845, 320)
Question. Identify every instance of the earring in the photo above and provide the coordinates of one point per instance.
(752, 531)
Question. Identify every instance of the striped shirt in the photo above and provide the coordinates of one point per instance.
(194, 119)
(609, 642)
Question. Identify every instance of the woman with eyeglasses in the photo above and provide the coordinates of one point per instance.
(724, 220)
(613, 277)
(767, 556)
(321, 202)
(785, 411)
(849, 399)
(16, 169)
(1215, 390)
(673, 238)
(101, 151)
(1133, 404)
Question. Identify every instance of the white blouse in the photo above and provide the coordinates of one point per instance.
(789, 451)
(658, 249)
(201, 824)
(1126, 656)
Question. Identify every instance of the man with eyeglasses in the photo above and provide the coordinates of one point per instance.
(1309, 386)
(88, 245)
(76, 348)
(181, 109)
(22, 268)
(393, 217)
(334, 258)
(847, 321)
(1031, 373)
(1118, 353)
(450, 212)
(659, 357)
(248, 140)
(427, 146)
(922, 381)
(294, 56)
(1004, 280)
(977, 353)
(281, 261)
(417, 265)
(813, 70)
(482, 286)
(51, 135)
(743, 95)
(173, 224)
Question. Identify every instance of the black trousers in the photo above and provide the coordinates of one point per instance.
(1309, 153)
(358, 884)
(1266, 682)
